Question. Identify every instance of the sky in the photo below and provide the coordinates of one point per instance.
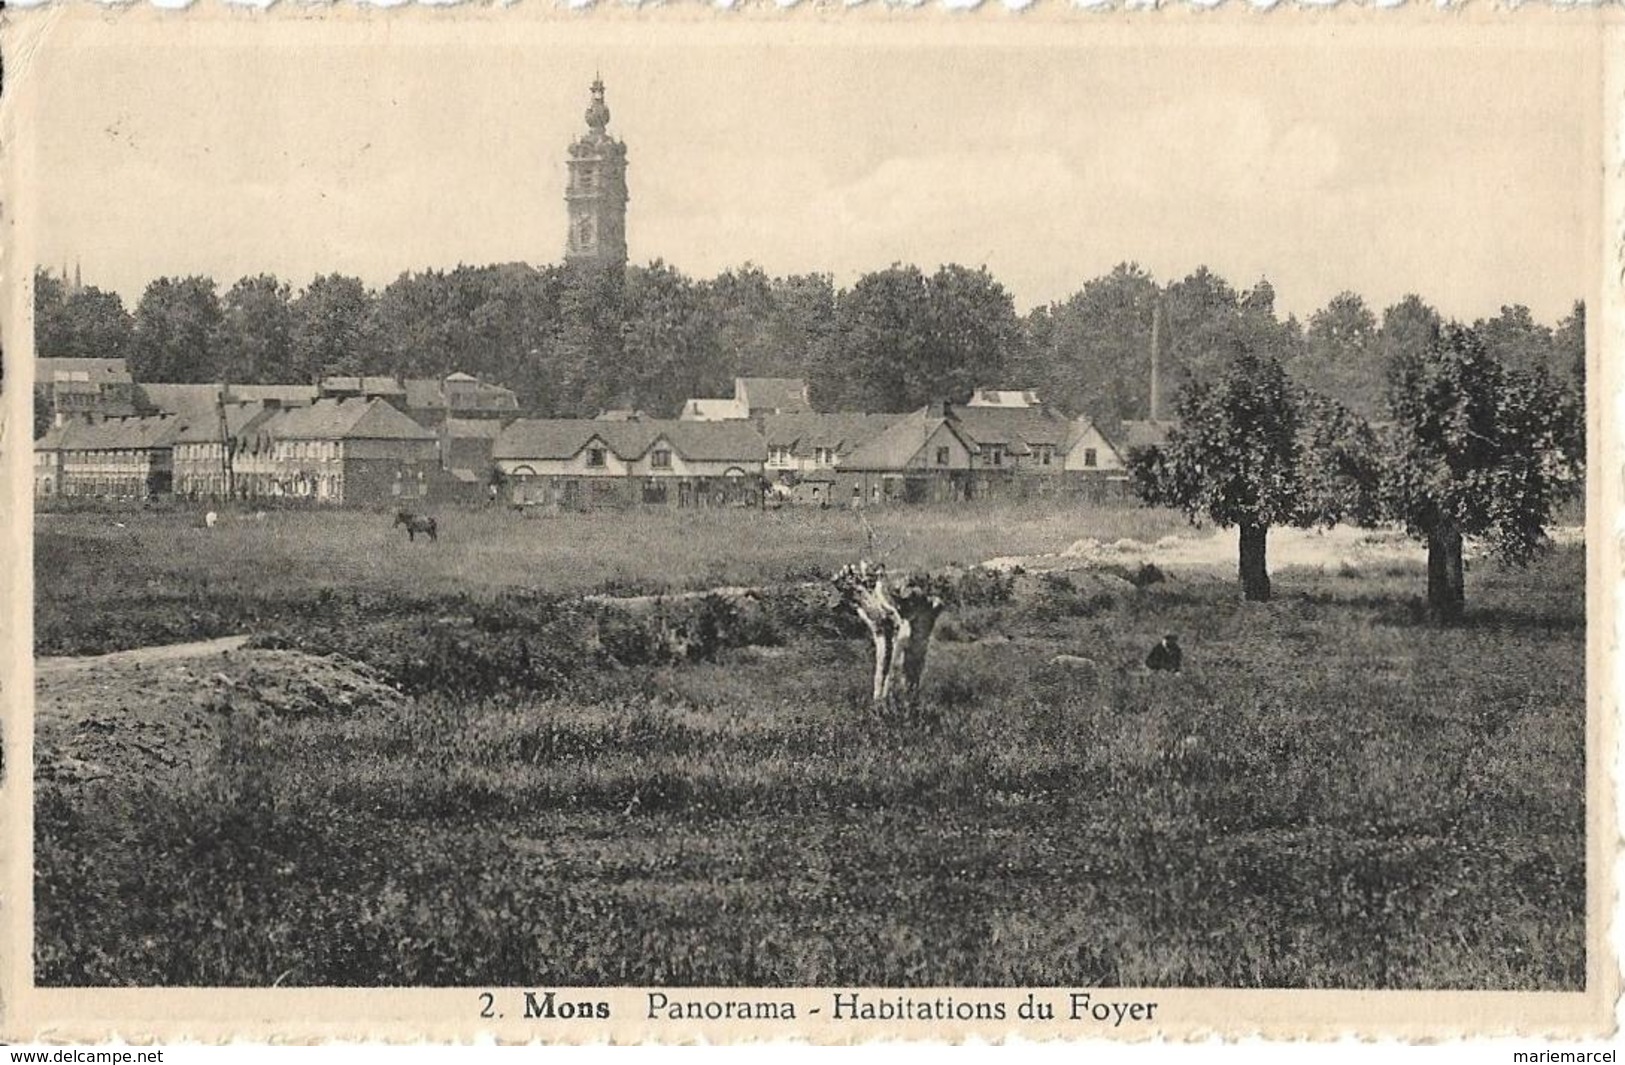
(1458, 163)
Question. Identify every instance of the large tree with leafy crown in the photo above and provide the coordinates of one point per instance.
(1475, 449)
(1253, 451)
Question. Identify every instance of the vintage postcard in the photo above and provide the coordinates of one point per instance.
(823, 523)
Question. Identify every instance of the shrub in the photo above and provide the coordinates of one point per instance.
(984, 587)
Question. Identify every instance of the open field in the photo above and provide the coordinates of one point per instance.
(125, 579)
(1334, 793)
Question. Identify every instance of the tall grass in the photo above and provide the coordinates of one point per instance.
(1333, 794)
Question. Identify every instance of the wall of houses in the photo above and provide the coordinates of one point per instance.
(966, 486)
(199, 470)
(588, 493)
(132, 473)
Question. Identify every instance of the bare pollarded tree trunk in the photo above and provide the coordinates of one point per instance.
(900, 614)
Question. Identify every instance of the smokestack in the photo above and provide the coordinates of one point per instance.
(1156, 358)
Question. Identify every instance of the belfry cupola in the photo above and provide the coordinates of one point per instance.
(596, 192)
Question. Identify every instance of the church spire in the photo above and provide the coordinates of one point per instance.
(598, 110)
(596, 192)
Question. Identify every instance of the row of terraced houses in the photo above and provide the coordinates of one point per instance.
(372, 440)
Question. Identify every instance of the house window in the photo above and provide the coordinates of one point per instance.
(595, 457)
(824, 456)
(778, 456)
(995, 456)
(660, 459)
(942, 456)
(1045, 454)
(1090, 457)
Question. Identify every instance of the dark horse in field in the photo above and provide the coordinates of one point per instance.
(416, 523)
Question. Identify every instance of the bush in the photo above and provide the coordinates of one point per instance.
(984, 587)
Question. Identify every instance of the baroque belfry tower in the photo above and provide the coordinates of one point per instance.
(596, 193)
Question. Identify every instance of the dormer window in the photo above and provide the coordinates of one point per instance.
(595, 457)
(660, 459)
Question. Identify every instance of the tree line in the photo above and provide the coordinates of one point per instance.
(572, 340)
(1467, 442)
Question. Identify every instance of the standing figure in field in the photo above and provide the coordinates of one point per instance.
(416, 523)
(1166, 655)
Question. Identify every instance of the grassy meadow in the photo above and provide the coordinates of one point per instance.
(115, 579)
(1334, 794)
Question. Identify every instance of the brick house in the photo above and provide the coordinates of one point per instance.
(575, 463)
(127, 458)
(804, 450)
(924, 456)
(351, 451)
(949, 453)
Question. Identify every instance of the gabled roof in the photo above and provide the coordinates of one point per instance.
(711, 441)
(564, 438)
(1017, 429)
(1080, 427)
(556, 438)
(188, 401)
(239, 417)
(260, 430)
(803, 432)
(896, 445)
(117, 434)
(53, 438)
(770, 395)
(349, 419)
(1143, 434)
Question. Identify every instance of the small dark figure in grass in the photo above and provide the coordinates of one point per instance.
(416, 523)
(1165, 655)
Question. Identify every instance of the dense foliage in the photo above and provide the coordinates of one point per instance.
(1475, 447)
(572, 340)
(1253, 451)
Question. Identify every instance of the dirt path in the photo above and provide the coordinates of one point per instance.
(167, 652)
(1308, 548)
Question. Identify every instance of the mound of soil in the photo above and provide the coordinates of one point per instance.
(155, 712)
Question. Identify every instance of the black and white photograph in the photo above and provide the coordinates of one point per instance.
(835, 523)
